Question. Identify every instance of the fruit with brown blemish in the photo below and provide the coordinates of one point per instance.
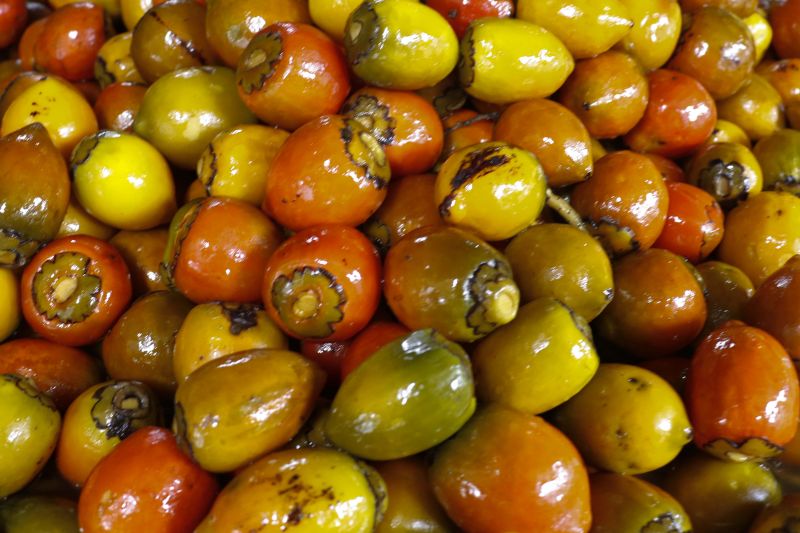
(727, 291)
(447, 279)
(216, 329)
(627, 420)
(235, 409)
(114, 63)
(779, 158)
(98, 420)
(727, 171)
(493, 189)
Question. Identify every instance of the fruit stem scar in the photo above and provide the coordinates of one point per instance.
(355, 29)
(64, 289)
(255, 58)
(503, 307)
(306, 304)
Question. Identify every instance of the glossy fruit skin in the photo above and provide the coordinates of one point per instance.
(784, 75)
(785, 22)
(29, 424)
(385, 46)
(779, 157)
(694, 223)
(773, 308)
(371, 339)
(586, 28)
(21, 514)
(449, 280)
(554, 134)
(537, 361)
(330, 171)
(13, 16)
(323, 283)
(717, 50)
(27, 42)
(114, 63)
(14, 84)
(9, 303)
(669, 170)
(757, 108)
(782, 515)
(627, 503)
(464, 128)
(236, 162)
(142, 252)
(180, 127)
(285, 384)
(412, 503)
(680, 116)
(626, 420)
(761, 234)
(759, 28)
(98, 420)
(171, 36)
(742, 394)
(140, 345)
(494, 190)
(494, 474)
(402, 425)
(658, 307)
(60, 372)
(123, 181)
(563, 262)
(655, 32)
(460, 13)
(727, 291)
(117, 105)
(624, 202)
(125, 494)
(409, 205)
(728, 171)
(494, 71)
(77, 221)
(74, 289)
(232, 24)
(314, 490)
(405, 124)
(217, 250)
(328, 355)
(216, 329)
(721, 497)
(34, 193)
(608, 93)
(68, 117)
(290, 74)
(728, 132)
(70, 40)
(331, 15)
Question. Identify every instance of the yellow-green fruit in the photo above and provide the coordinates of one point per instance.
(757, 108)
(77, 221)
(38, 514)
(727, 171)
(236, 162)
(726, 131)
(216, 329)
(779, 157)
(183, 110)
(407, 397)
(399, 44)
(237, 408)
(331, 15)
(506, 60)
(123, 181)
(626, 420)
(302, 491)
(29, 425)
(627, 504)
(493, 189)
(586, 27)
(9, 303)
(114, 62)
(564, 262)
(761, 31)
(761, 234)
(538, 361)
(655, 32)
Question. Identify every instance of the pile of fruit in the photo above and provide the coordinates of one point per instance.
(399, 266)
